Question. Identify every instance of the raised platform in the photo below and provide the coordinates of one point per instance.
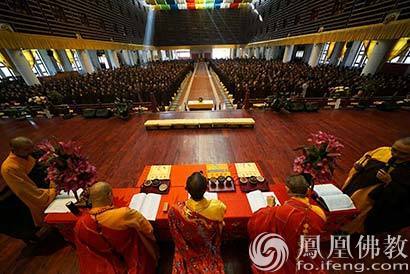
(203, 105)
(200, 123)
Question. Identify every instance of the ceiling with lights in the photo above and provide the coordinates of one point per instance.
(197, 4)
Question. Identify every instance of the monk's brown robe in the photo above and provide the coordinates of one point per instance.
(382, 207)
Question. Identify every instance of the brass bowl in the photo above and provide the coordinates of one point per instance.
(148, 183)
(213, 182)
(156, 182)
(260, 179)
(163, 187)
(221, 179)
(243, 180)
(253, 180)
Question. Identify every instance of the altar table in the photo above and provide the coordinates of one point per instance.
(237, 214)
(197, 105)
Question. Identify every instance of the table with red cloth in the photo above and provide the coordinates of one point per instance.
(237, 214)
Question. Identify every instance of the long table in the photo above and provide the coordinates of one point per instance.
(237, 214)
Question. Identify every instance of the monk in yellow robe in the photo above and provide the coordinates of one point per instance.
(15, 171)
(114, 240)
(379, 185)
(196, 228)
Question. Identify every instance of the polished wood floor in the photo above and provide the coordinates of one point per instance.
(201, 85)
(121, 149)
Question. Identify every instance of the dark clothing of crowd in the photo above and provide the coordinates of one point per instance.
(265, 78)
(129, 83)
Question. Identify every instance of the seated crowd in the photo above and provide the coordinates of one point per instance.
(130, 83)
(262, 78)
(121, 240)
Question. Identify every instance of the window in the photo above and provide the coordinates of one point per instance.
(58, 13)
(299, 54)
(323, 53)
(404, 58)
(102, 59)
(360, 59)
(76, 64)
(6, 72)
(182, 53)
(221, 53)
(39, 67)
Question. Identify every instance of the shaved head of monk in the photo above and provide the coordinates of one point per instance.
(196, 186)
(401, 150)
(101, 194)
(21, 146)
(297, 185)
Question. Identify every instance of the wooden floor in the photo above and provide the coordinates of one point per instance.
(121, 149)
(201, 85)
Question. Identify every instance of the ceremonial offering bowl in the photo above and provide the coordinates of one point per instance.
(243, 180)
(213, 182)
(229, 181)
(163, 187)
(221, 181)
(156, 182)
(260, 179)
(147, 183)
(253, 180)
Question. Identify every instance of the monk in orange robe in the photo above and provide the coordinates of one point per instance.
(23, 192)
(196, 228)
(379, 185)
(113, 240)
(294, 218)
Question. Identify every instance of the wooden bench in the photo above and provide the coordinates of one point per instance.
(200, 123)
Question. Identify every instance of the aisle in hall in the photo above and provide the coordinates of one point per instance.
(201, 85)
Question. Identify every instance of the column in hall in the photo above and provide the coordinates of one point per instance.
(23, 67)
(287, 55)
(377, 56)
(94, 59)
(52, 69)
(65, 62)
(337, 50)
(112, 58)
(315, 55)
(85, 60)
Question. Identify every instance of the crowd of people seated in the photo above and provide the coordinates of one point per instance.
(130, 83)
(121, 240)
(262, 78)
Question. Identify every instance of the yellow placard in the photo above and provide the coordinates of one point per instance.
(159, 172)
(247, 169)
(216, 170)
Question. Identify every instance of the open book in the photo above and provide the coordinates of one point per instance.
(58, 205)
(333, 198)
(146, 204)
(258, 199)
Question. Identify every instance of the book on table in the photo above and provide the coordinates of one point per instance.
(59, 203)
(332, 198)
(258, 199)
(146, 204)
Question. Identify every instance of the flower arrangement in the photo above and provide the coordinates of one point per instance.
(66, 166)
(319, 158)
(38, 100)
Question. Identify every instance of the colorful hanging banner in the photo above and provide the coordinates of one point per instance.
(197, 4)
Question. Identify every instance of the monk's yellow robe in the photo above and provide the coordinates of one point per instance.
(361, 197)
(317, 209)
(211, 209)
(15, 172)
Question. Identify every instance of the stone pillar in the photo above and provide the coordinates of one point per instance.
(47, 61)
(125, 58)
(377, 57)
(314, 55)
(94, 59)
(287, 55)
(112, 58)
(337, 50)
(85, 60)
(67, 66)
(351, 54)
(23, 67)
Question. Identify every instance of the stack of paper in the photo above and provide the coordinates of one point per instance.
(159, 172)
(258, 199)
(59, 204)
(146, 204)
(247, 169)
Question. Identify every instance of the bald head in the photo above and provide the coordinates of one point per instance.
(401, 149)
(196, 186)
(101, 194)
(21, 146)
(297, 185)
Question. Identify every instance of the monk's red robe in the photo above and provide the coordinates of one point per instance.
(290, 220)
(197, 242)
(117, 251)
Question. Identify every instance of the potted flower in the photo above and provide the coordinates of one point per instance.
(66, 166)
(318, 160)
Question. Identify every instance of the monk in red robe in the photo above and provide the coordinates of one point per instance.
(113, 240)
(196, 227)
(294, 218)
